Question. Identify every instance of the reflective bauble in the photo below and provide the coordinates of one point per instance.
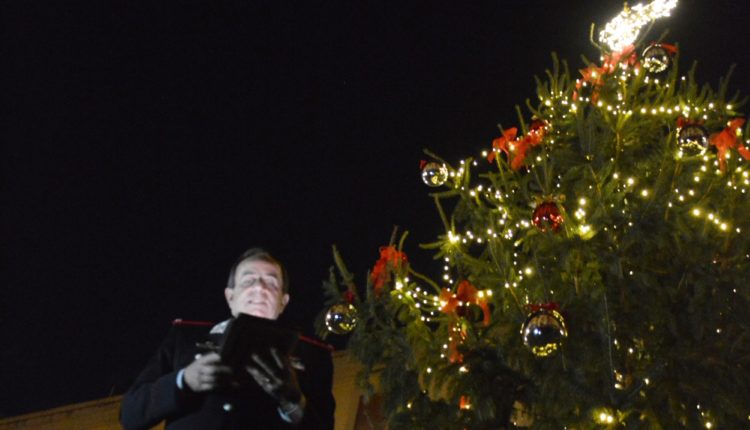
(544, 331)
(547, 216)
(341, 318)
(692, 139)
(434, 174)
(656, 58)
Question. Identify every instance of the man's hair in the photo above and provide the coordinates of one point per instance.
(255, 254)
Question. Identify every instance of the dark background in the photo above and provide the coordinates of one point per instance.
(147, 144)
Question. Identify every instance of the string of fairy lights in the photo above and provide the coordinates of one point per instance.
(508, 230)
(739, 181)
(508, 224)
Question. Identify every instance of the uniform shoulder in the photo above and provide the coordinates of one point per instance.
(179, 322)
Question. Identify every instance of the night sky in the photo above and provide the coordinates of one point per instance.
(146, 144)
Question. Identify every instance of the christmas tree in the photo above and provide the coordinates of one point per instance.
(595, 260)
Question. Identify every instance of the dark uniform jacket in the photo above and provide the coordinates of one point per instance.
(155, 396)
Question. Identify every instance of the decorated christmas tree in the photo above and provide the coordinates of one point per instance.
(595, 261)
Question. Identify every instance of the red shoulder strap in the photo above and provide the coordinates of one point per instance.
(309, 340)
(316, 342)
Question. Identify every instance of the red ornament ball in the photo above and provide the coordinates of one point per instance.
(547, 217)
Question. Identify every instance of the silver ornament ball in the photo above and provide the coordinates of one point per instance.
(434, 174)
(341, 318)
(656, 59)
(543, 332)
(693, 139)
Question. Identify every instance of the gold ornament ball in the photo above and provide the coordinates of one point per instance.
(543, 332)
(434, 174)
(341, 318)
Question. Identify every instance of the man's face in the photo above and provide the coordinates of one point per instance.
(258, 290)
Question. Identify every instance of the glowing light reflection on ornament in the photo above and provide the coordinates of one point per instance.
(624, 28)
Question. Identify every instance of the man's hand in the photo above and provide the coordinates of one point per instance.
(206, 373)
(278, 379)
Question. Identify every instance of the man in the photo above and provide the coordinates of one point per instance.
(186, 383)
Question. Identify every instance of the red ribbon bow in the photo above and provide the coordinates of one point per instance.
(465, 294)
(671, 49)
(533, 138)
(595, 75)
(728, 138)
(390, 260)
(627, 56)
(518, 147)
(501, 143)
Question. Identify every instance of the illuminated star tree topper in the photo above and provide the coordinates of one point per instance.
(623, 30)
